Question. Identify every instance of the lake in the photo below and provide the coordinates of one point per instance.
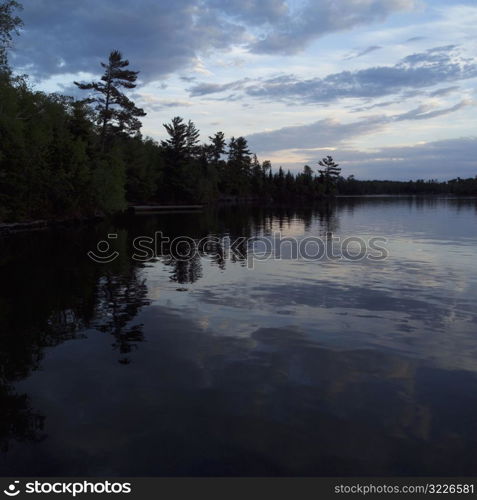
(222, 364)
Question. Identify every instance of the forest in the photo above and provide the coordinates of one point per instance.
(62, 157)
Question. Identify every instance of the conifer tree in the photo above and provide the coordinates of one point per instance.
(176, 144)
(115, 111)
(192, 140)
(217, 146)
(329, 174)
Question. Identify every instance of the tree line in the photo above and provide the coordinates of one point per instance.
(457, 187)
(62, 157)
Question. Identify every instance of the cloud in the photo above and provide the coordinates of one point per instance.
(443, 160)
(161, 37)
(151, 102)
(331, 133)
(323, 133)
(166, 103)
(433, 160)
(158, 37)
(363, 52)
(443, 92)
(373, 106)
(256, 12)
(316, 19)
(415, 39)
(422, 112)
(436, 55)
(410, 94)
(214, 88)
(416, 71)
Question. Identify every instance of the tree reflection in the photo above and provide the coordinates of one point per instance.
(50, 292)
(225, 238)
(18, 420)
(119, 299)
(276, 399)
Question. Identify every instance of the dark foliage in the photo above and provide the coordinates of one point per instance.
(458, 186)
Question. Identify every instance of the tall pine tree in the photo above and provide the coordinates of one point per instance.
(115, 111)
(329, 174)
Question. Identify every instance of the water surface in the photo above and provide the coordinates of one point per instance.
(208, 367)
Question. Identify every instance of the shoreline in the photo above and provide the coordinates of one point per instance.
(11, 228)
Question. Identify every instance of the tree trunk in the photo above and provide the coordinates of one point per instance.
(106, 109)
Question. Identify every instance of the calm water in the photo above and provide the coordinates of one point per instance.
(207, 367)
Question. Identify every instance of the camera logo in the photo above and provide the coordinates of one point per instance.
(103, 255)
(12, 490)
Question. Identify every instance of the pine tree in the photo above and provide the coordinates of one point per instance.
(238, 151)
(192, 140)
(176, 144)
(329, 174)
(115, 111)
(217, 146)
(180, 182)
(239, 165)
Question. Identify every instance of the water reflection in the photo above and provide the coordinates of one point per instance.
(204, 367)
(119, 299)
(18, 421)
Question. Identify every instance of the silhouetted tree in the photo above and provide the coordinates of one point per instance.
(217, 146)
(115, 110)
(176, 144)
(192, 140)
(329, 173)
(239, 166)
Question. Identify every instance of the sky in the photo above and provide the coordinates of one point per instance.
(387, 87)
